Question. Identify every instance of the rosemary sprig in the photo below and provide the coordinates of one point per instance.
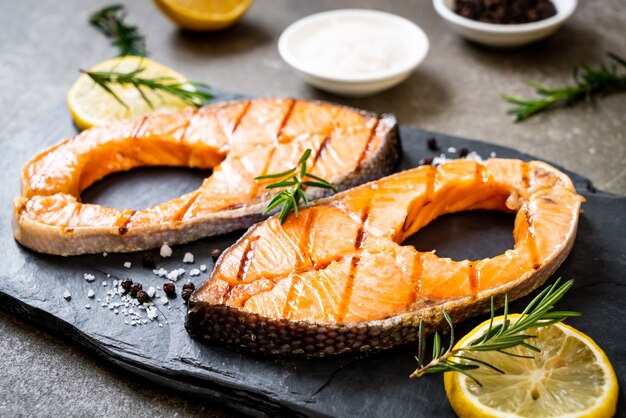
(294, 180)
(191, 92)
(604, 80)
(508, 334)
(110, 21)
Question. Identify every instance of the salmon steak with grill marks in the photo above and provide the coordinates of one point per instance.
(238, 141)
(337, 278)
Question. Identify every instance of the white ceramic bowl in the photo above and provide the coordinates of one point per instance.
(505, 36)
(356, 84)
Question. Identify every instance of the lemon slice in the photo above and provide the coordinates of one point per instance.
(570, 377)
(90, 105)
(204, 15)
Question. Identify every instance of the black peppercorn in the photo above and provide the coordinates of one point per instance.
(463, 152)
(185, 294)
(126, 284)
(143, 297)
(147, 260)
(432, 143)
(169, 289)
(135, 288)
(189, 286)
(215, 253)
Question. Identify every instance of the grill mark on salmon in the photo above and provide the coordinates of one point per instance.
(140, 125)
(361, 234)
(321, 150)
(532, 239)
(367, 150)
(279, 134)
(248, 254)
(347, 292)
(305, 244)
(473, 278)
(237, 141)
(367, 286)
(354, 265)
(183, 210)
(255, 187)
(246, 107)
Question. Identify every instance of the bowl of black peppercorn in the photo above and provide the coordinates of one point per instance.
(505, 23)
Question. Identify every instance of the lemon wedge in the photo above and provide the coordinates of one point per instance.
(204, 15)
(570, 377)
(90, 105)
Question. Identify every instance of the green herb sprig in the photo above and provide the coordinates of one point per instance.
(191, 92)
(294, 180)
(110, 21)
(508, 334)
(604, 80)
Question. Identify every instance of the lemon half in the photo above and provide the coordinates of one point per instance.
(204, 15)
(570, 377)
(90, 105)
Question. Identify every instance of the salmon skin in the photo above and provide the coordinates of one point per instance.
(238, 141)
(337, 279)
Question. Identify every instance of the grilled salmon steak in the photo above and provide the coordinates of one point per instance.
(338, 279)
(238, 141)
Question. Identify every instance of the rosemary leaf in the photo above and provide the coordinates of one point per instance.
(192, 93)
(538, 313)
(601, 81)
(293, 181)
(110, 21)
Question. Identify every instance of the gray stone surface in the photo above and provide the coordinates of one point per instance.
(457, 90)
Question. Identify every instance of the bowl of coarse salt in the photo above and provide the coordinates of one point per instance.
(353, 52)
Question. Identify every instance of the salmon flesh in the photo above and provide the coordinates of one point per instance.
(238, 141)
(337, 279)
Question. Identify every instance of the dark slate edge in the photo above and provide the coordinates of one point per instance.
(233, 396)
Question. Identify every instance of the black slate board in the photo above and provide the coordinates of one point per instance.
(32, 285)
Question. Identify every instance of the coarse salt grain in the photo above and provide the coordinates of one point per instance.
(91, 293)
(128, 264)
(89, 277)
(164, 300)
(451, 150)
(151, 291)
(152, 313)
(188, 258)
(67, 295)
(202, 267)
(166, 251)
(194, 272)
(105, 254)
(104, 283)
(87, 306)
(160, 272)
(175, 274)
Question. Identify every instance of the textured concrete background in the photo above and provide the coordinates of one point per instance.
(456, 90)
